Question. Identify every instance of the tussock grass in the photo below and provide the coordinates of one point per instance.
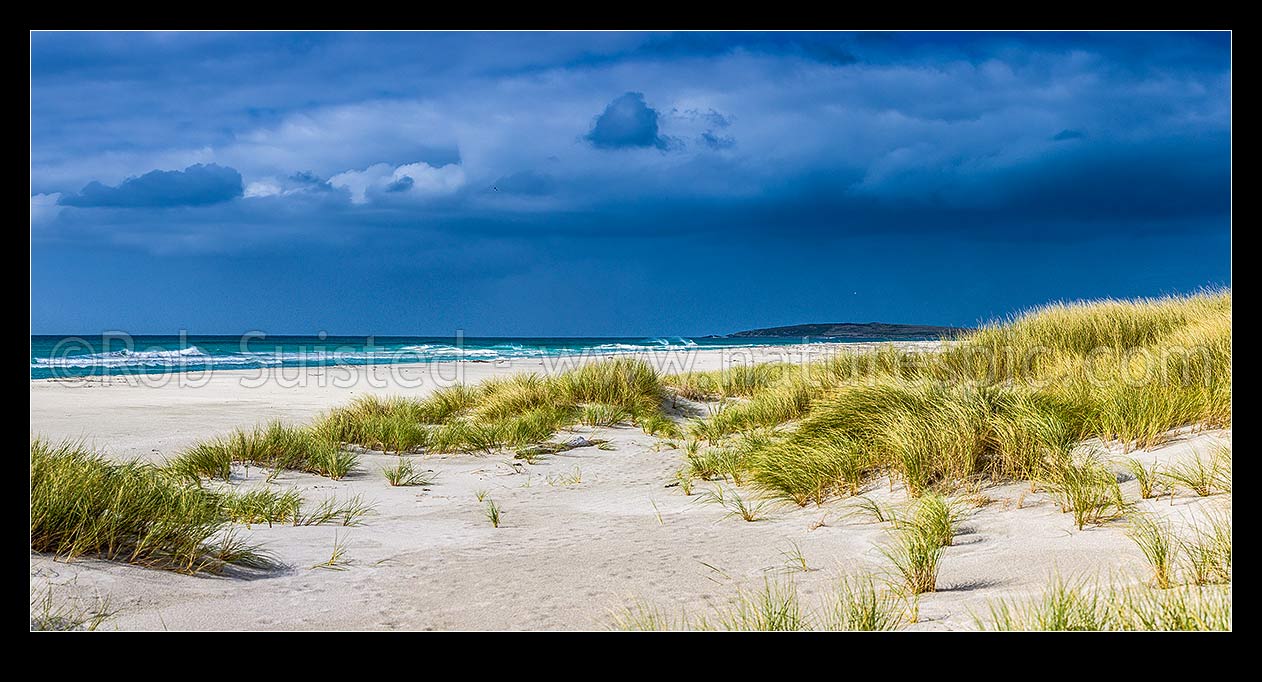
(493, 513)
(1085, 487)
(1157, 542)
(262, 506)
(599, 414)
(49, 614)
(1065, 606)
(337, 561)
(859, 604)
(661, 426)
(1203, 475)
(1208, 551)
(84, 505)
(915, 554)
(775, 608)
(642, 616)
(510, 412)
(1202, 556)
(743, 508)
(1148, 477)
(794, 559)
(870, 508)
(938, 517)
(855, 603)
(1009, 401)
(276, 446)
(404, 474)
(348, 513)
(736, 381)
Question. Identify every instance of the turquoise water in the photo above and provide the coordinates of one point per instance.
(70, 356)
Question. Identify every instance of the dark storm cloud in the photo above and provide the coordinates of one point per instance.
(627, 122)
(850, 149)
(198, 185)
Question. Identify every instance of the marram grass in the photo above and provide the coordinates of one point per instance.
(509, 412)
(85, 505)
(1072, 606)
(856, 603)
(1009, 401)
(277, 446)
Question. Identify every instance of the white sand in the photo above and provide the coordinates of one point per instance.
(567, 556)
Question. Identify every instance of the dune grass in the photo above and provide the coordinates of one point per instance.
(1148, 477)
(1204, 475)
(52, 614)
(85, 505)
(262, 506)
(338, 560)
(915, 554)
(276, 446)
(856, 603)
(1085, 487)
(1199, 556)
(746, 509)
(1064, 606)
(1206, 550)
(404, 474)
(509, 412)
(493, 513)
(350, 512)
(1009, 401)
(1155, 539)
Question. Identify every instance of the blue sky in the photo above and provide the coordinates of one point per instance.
(617, 183)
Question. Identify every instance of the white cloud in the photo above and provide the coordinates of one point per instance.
(414, 180)
(44, 208)
(262, 188)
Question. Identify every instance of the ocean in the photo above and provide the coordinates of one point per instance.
(72, 356)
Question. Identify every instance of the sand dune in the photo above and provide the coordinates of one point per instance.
(584, 534)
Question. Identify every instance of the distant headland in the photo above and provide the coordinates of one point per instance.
(854, 330)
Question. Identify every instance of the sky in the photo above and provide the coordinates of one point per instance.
(617, 184)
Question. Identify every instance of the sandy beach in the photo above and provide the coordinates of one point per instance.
(585, 533)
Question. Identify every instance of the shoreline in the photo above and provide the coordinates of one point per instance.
(151, 417)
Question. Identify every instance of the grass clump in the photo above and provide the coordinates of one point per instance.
(1008, 401)
(859, 604)
(745, 509)
(775, 608)
(84, 505)
(276, 446)
(1087, 488)
(49, 614)
(1208, 551)
(493, 513)
(511, 412)
(1155, 539)
(262, 506)
(1203, 475)
(348, 513)
(1064, 607)
(919, 537)
(856, 603)
(938, 517)
(337, 561)
(1148, 478)
(661, 426)
(600, 414)
(404, 474)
